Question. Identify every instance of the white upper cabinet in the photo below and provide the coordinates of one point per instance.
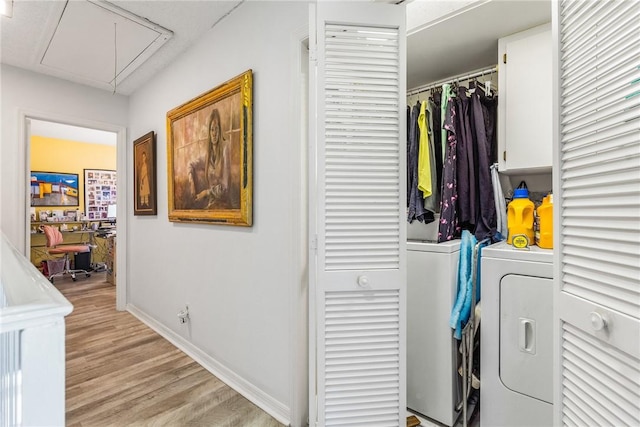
(524, 110)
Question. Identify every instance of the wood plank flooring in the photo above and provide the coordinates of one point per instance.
(121, 373)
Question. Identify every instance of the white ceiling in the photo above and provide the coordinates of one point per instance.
(51, 37)
(74, 40)
(445, 38)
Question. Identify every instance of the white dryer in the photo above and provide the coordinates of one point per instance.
(516, 364)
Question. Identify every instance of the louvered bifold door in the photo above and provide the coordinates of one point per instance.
(598, 193)
(359, 265)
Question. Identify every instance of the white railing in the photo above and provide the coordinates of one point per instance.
(32, 347)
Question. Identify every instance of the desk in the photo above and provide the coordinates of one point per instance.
(39, 241)
(111, 259)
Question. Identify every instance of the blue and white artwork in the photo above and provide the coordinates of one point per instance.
(54, 189)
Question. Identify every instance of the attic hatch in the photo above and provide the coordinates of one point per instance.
(91, 34)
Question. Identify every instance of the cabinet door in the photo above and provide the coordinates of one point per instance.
(524, 110)
(597, 205)
(357, 270)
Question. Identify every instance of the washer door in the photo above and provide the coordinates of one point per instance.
(526, 335)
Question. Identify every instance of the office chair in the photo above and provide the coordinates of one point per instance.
(54, 239)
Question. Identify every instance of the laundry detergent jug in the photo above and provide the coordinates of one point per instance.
(520, 219)
(544, 234)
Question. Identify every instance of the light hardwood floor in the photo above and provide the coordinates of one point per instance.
(121, 373)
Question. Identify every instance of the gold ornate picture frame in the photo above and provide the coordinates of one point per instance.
(209, 155)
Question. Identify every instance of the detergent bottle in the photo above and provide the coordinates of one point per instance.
(544, 235)
(520, 219)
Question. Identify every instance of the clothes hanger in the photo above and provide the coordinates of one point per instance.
(489, 90)
(487, 86)
(473, 85)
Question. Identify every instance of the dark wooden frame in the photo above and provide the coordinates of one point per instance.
(145, 146)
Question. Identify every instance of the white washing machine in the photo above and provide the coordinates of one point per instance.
(432, 381)
(516, 364)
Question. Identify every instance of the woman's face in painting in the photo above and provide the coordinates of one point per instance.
(214, 131)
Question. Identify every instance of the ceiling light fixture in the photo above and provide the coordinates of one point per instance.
(6, 8)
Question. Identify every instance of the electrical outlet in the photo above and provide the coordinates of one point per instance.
(183, 315)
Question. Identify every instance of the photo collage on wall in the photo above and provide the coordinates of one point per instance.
(99, 192)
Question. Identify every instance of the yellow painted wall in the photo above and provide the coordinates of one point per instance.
(58, 155)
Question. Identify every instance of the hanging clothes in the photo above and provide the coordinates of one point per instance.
(416, 205)
(426, 172)
(466, 171)
(424, 164)
(461, 308)
(436, 127)
(444, 107)
(448, 227)
(408, 154)
(432, 202)
(483, 125)
(501, 205)
(453, 135)
(490, 103)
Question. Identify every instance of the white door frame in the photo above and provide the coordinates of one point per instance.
(299, 410)
(24, 137)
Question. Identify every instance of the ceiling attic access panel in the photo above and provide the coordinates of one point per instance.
(96, 41)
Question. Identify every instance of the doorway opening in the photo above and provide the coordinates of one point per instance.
(92, 156)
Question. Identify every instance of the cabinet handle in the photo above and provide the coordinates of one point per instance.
(527, 335)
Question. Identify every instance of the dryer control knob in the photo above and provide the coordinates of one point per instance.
(598, 321)
(363, 281)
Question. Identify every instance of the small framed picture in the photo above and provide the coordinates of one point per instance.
(144, 175)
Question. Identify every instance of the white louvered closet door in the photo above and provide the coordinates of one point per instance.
(358, 267)
(598, 193)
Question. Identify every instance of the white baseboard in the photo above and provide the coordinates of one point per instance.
(276, 409)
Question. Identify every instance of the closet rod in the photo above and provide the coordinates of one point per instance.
(460, 77)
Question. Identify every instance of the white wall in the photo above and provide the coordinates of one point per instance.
(25, 91)
(240, 283)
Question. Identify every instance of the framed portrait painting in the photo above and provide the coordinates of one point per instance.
(144, 175)
(209, 156)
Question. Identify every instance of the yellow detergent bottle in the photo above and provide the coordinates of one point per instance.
(544, 236)
(520, 219)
